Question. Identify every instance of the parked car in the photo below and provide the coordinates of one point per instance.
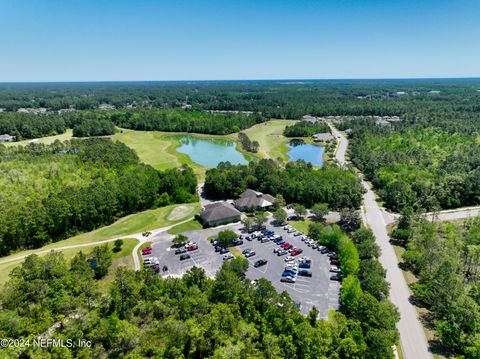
(193, 247)
(180, 250)
(280, 242)
(264, 240)
(332, 255)
(249, 238)
(288, 279)
(282, 252)
(228, 256)
(291, 230)
(184, 256)
(289, 273)
(224, 250)
(250, 254)
(296, 252)
(237, 242)
(304, 265)
(289, 259)
(305, 273)
(305, 259)
(287, 227)
(146, 252)
(335, 270)
(260, 263)
(218, 248)
(314, 246)
(296, 234)
(334, 262)
(336, 277)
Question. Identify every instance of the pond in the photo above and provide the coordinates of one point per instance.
(300, 150)
(209, 152)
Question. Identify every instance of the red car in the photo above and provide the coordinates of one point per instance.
(146, 251)
(193, 247)
(287, 246)
(296, 252)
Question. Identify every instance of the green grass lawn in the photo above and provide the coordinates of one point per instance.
(301, 226)
(270, 137)
(135, 223)
(124, 257)
(187, 226)
(46, 140)
(158, 149)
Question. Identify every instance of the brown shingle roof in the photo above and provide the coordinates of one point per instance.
(218, 211)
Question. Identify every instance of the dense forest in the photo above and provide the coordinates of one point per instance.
(141, 315)
(421, 165)
(185, 121)
(297, 182)
(94, 127)
(26, 126)
(49, 192)
(305, 129)
(446, 259)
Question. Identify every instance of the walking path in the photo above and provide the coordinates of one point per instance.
(412, 337)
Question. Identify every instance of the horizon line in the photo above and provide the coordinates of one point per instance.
(249, 80)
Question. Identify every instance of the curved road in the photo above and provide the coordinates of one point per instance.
(138, 236)
(412, 337)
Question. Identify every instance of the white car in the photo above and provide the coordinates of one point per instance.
(287, 227)
(305, 259)
(335, 270)
(289, 259)
(227, 256)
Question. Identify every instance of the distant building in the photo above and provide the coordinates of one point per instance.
(401, 93)
(322, 137)
(309, 118)
(218, 213)
(434, 92)
(65, 110)
(7, 138)
(250, 200)
(2, 110)
(106, 106)
(34, 111)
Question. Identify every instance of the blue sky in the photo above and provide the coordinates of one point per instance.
(102, 40)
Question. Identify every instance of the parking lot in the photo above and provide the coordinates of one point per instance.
(319, 290)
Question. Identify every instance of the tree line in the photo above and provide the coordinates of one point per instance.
(141, 315)
(426, 166)
(364, 287)
(51, 192)
(305, 129)
(445, 257)
(298, 182)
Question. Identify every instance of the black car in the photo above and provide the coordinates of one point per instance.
(224, 250)
(184, 256)
(304, 273)
(260, 262)
(218, 248)
(237, 242)
(249, 254)
(336, 277)
(180, 250)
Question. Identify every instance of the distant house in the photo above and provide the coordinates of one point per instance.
(106, 106)
(322, 137)
(251, 199)
(7, 138)
(218, 213)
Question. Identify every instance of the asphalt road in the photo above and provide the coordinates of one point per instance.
(412, 337)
